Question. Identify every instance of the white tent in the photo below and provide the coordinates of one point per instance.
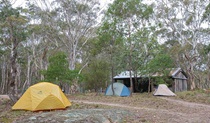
(163, 90)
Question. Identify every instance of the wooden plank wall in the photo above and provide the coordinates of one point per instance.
(180, 83)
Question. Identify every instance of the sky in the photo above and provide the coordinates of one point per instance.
(18, 3)
(103, 5)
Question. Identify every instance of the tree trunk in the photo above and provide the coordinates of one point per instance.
(192, 81)
(18, 79)
(13, 71)
(190, 70)
(149, 85)
(43, 63)
(28, 72)
(112, 70)
(130, 58)
(131, 81)
(3, 74)
(113, 83)
(192, 77)
(72, 58)
(27, 81)
(13, 92)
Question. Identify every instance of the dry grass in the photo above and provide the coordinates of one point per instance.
(6, 114)
(136, 99)
(198, 96)
(143, 100)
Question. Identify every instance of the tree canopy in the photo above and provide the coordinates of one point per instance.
(64, 41)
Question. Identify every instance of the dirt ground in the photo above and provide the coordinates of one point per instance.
(157, 109)
(92, 108)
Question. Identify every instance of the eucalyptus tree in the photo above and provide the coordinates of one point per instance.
(146, 48)
(75, 22)
(62, 25)
(126, 18)
(110, 43)
(33, 49)
(13, 31)
(181, 26)
(58, 72)
(202, 67)
(205, 51)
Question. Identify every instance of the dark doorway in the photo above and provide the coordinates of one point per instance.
(139, 86)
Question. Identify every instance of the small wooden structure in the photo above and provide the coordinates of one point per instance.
(141, 83)
(179, 80)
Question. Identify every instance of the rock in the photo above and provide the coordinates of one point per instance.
(32, 118)
(80, 116)
(4, 97)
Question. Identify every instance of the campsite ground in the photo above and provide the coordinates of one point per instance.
(191, 107)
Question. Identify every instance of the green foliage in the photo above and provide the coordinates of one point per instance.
(145, 47)
(13, 18)
(159, 80)
(160, 63)
(164, 79)
(96, 74)
(109, 35)
(58, 69)
(206, 49)
(206, 13)
(189, 20)
(124, 33)
(13, 28)
(129, 8)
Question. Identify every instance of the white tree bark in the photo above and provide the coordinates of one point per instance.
(3, 69)
(183, 22)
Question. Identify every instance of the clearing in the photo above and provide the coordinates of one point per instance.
(92, 108)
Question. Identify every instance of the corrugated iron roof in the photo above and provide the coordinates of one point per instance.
(126, 74)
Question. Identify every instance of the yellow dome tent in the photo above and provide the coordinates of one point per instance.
(42, 96)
